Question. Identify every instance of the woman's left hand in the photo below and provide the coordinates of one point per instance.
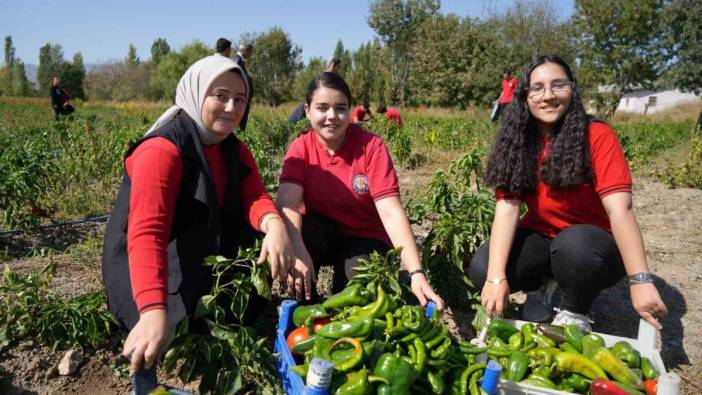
(648, 303)
(278, 249)
(424, 292)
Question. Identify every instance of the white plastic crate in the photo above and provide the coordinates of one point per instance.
(645, 343)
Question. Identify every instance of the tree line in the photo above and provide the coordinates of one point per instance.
(423, 57)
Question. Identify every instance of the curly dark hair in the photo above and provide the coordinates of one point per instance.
(512, 165)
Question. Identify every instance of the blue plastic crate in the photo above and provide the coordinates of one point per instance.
(292, 383)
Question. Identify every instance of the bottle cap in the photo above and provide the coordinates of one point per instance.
(491, 377)
(319, 374)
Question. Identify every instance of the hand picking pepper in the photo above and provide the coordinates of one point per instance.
(616, 368)
(601, 386)
(627, 353)
(353, 295)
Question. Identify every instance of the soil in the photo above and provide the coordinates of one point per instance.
(670, 219)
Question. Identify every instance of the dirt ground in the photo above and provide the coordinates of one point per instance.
(671, 221)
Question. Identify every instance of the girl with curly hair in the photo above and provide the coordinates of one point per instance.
(579, 229)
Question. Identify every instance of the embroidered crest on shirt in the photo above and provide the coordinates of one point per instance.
(360, 184)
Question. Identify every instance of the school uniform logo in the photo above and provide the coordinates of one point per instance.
(360, 184)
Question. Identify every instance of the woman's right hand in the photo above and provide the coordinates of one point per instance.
(302, 277)
(495, 297)
(146, 340)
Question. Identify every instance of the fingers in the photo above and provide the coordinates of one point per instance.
(137, 358)
(264, 254)
(151, 353)
(299, 287)
(291, 284)
(651, 320)
(308, 285)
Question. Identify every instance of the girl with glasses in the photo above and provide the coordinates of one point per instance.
(579, 231)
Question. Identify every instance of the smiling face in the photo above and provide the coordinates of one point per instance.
(549, 95)
(328, 113)
(225, 104)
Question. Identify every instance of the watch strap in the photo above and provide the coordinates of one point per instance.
(496, 280)
(640, 278)
(417, 271)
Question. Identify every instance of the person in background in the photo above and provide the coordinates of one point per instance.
(245, 50)
(391, 114)
(343, 177)
(224, 47)
(191, 189)
(509, 85)
(299, 112)
(361, 114)
(698, 125)
(580, 230)
(60, 99)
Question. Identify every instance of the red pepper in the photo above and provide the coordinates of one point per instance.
(651, 387)
(601, 386)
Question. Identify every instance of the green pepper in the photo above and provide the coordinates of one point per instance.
(616, 368)
(543, 356)
(413, 318)
(627, 353)
(467, 374)
(345, 364)
(577, 363)
(421, 350)
(300, 370)
(516, 341)
(431, 343)
(302, 313)
(498, 348)
(501, 329)
(398, 372)
(356, 383)
(574, 336)
(648, 370)
(577, 382)
(441, 352)
(517, 367)
(540, 381)
(544, 371)
(303, 346)
(321, 348)
(567, 347)
(436, 382)
(430, 333)
(473, 383)
(358, 327)
(353, 295)
(383, 303)
(543, 340)
(591, 343)
(343, 353)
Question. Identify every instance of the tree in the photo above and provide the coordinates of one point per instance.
(365, 73)
(159, 49)
(9, 60)
(73, 75)
(684, 17)
(168, 72)
(620, 46)
(302, 79)
(344, 56)
(51, 64)
(132, 58)
(273, 65)
(21, 86)
(396, 22)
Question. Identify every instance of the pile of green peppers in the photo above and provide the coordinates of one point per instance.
(565, 358)
(379, 347)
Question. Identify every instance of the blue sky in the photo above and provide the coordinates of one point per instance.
(102, 30)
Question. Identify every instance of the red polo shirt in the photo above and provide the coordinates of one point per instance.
(394, 115)
(552, 209)
(344, 186)
(508, 88)
(358, 114)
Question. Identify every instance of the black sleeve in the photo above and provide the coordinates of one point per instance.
(56, 99)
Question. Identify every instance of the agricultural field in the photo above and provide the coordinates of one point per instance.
(57, 172)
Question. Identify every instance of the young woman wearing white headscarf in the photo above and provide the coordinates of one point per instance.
(190, 188)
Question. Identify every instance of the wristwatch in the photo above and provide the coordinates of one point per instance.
(496, 281)
(417, 271)
(640, 278)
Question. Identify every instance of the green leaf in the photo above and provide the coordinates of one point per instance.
(204, 306)
(260, 282)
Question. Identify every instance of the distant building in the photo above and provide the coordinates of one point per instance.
(652, 101)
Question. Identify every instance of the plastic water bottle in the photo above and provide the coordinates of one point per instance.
(668, 384)
(491, 377)
(319, 377)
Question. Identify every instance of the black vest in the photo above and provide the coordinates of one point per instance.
(200, 227)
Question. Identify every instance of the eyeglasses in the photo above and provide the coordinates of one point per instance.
(558, 88)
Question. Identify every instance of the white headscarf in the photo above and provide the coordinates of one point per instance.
(192, 90)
